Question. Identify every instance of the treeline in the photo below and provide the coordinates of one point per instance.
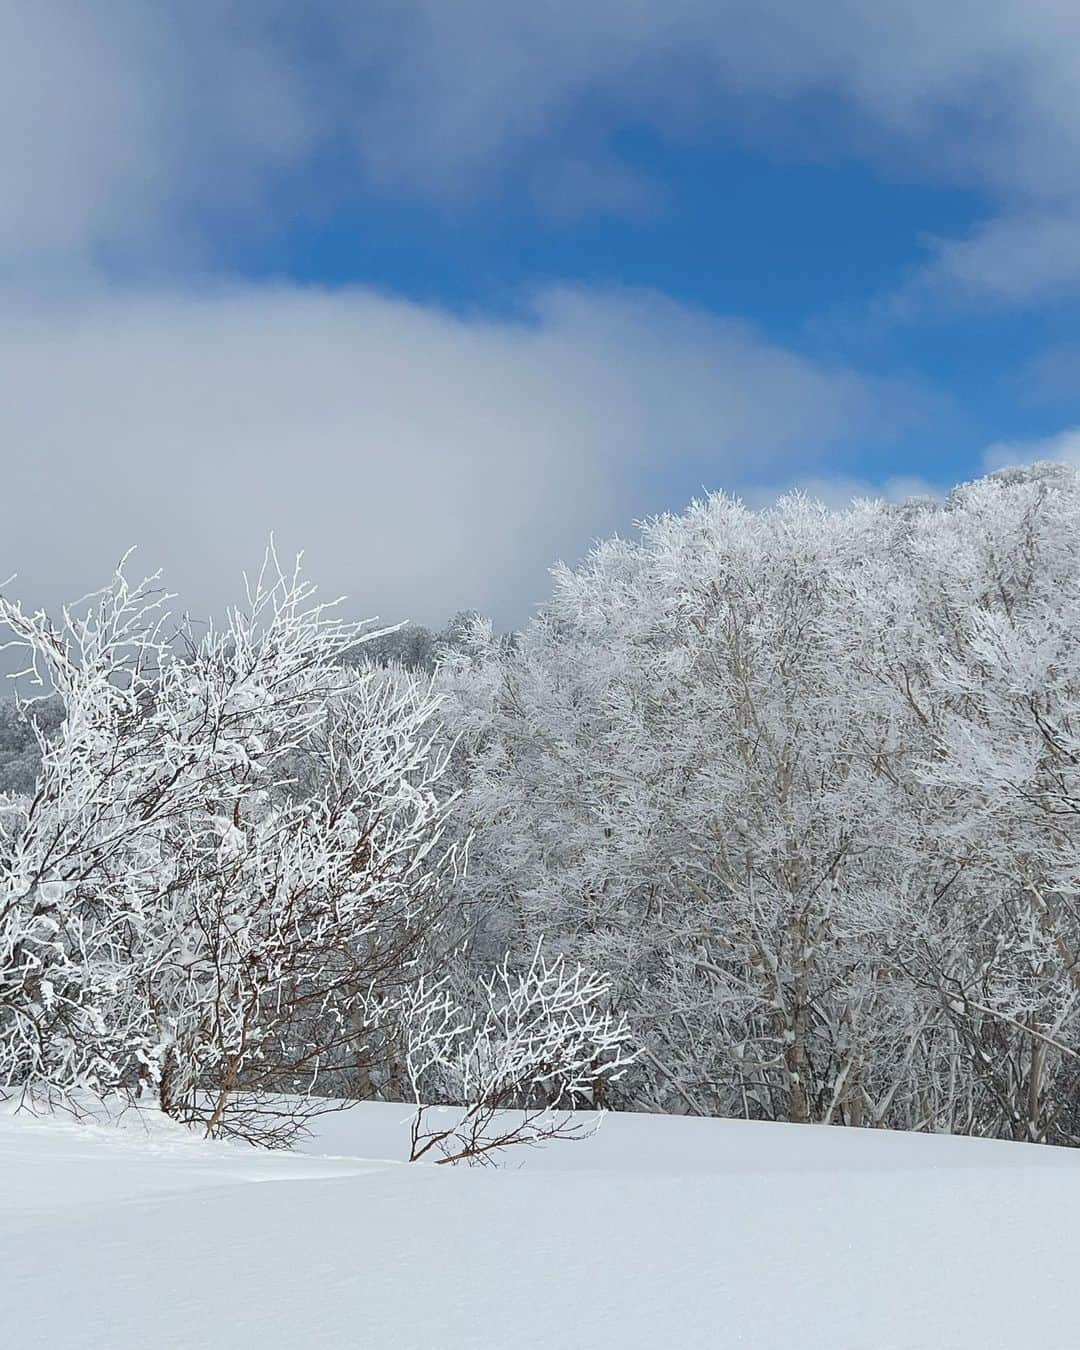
(785, 802)
(806, 784)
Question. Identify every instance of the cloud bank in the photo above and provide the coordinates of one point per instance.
(426, 462)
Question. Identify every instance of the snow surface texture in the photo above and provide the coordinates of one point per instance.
(657, 1232)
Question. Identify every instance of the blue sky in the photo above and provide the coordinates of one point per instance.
(441, 290)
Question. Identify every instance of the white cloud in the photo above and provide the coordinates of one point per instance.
(988, 98)
(1011, 260)
(426, 462)
(120, 122)
(457, 87)
(123, 123)
(1054, 374)
(1063, 446)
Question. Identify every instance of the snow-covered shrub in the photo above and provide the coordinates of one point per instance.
(543, 1040)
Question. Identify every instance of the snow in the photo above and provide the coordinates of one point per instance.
(657, 1232)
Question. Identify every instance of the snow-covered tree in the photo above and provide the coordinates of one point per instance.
(978, 643)
(234, 853)
(801, 780)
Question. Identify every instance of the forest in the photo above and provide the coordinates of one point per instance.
(770, 814)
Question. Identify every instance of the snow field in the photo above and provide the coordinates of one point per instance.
(658, 1232)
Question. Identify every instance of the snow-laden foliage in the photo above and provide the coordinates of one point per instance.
(807, 783)
(235, 850)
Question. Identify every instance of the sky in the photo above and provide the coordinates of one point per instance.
(440, 291)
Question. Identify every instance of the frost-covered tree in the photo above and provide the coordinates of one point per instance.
(977, 642)
(802, 781)
(231, 869)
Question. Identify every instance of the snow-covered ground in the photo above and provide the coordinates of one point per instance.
(657, 1232)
